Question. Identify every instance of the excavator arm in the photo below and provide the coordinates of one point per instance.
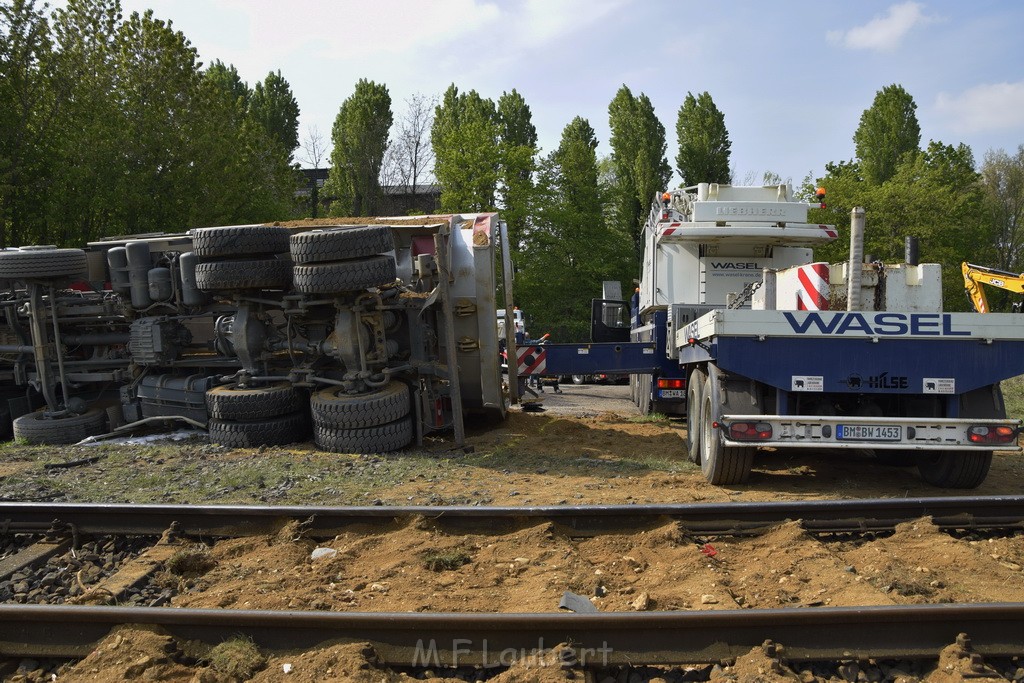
(976, 276)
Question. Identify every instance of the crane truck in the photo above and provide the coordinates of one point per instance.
(760, 346)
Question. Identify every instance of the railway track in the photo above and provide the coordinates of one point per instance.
(444, 638)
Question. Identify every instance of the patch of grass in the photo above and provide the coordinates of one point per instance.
(652, 418)
(444, 560)
(238, 657)
(1013, 396)
(191, 561)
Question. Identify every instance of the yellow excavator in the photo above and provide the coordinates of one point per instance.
(976, 276)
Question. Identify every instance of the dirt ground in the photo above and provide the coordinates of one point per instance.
(588, 446)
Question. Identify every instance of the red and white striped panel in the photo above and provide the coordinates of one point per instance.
(531, 360)
(813, 292)
(671, 229)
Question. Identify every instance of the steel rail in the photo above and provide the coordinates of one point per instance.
(983, 512)
(422, 639)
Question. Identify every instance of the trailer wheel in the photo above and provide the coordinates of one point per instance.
(694, 402)
(244, 274)
(345, 276)
(721, 464)
(579, 379)
(340, 243)
(35, 428)
(42, 264)
(239, 240)
(965, 469)
(336, 410)
(276, 431)
(380, 439)
(6, 430)
(231, 402)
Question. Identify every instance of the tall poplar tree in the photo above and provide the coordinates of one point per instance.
(465, 136)
(704, 145)
(360, 137)
(888, 132)
(518, 150)
(274, 107)
(638, 160)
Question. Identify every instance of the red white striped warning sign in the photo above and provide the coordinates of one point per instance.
(813, 292)
(531, 360)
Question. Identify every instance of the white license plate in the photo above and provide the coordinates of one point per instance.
(671, 393)
(869, 432)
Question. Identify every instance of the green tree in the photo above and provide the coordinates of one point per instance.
(638, 158)
(1002, 177)
(465, 137)
(360, 137)
(26, 107)
(86, 134)
(704, 145)
(571, 249)
(888, 132)
(273, 106)
(225, 77)
(518, 150)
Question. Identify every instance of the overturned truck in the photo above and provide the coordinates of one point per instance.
(366, 336)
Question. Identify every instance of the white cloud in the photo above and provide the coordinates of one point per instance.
(882, 33)
(986, 107)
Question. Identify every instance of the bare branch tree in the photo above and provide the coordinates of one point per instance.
(413, 149)
(314, 149)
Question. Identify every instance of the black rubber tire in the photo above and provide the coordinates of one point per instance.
(340, 243)
(343, 411)
(721, 464)
(36, 429)
(644, 397)
(579, 379)
(230, 402)
(345, 276)
(275, 431)
(694, 403)
(6, 428)
(42, 264)
(380, 439)
(244, 274)
(239, 240)
(964, 469)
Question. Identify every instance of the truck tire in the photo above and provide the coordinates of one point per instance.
(380, 439)
(341, 243)
(276, 431)
(965, 469)
(6, 429)
(37, 429)
(345, 276)
(579, 379)
(244, 274)
(231, 402)
(336, 410)
(239, 240)
(721, 464)
(955, 469)
(42, 264)
(644, 398)
(694, 403)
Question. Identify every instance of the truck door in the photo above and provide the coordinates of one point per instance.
(609, 321)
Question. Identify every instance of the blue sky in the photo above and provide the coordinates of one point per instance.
(791, 77)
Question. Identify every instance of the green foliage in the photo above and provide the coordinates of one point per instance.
(360, 136)
(445, 560)
(108, 126)
(272, 105)
(570, 248)
(888, 132)
(1003, 184)
(238, 657)
(518, 150)
(638, 159)
(465, 136)
(704, 145)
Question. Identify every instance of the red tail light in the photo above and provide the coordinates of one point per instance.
(1000, 434)
(671, 383)
(750, 431)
